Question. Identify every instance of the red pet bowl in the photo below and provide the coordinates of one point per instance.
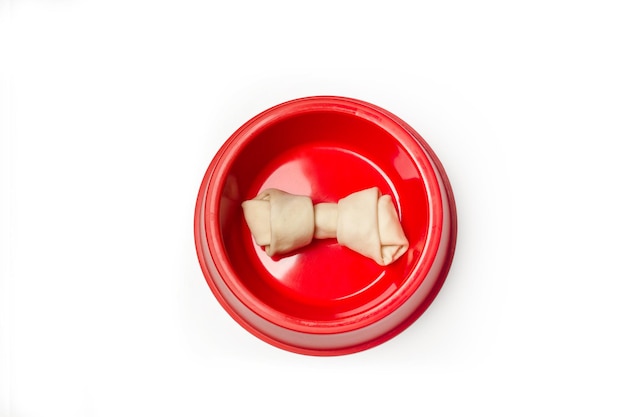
(325, 299)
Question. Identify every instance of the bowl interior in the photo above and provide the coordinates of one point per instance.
(325, 155)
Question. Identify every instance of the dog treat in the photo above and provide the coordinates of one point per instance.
(364, 221)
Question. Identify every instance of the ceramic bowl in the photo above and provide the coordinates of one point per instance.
(325, 299)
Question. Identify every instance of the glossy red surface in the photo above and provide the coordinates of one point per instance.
(324, 299)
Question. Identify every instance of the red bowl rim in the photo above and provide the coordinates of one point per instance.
(214, 180)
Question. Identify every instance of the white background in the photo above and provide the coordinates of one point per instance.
(110, 112)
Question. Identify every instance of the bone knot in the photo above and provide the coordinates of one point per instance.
(364, 222)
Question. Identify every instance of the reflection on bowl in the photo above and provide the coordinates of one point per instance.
(325, 299)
